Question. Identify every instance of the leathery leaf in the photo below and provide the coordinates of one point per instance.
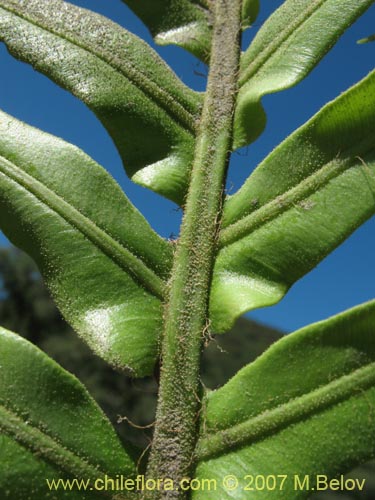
(305, 408)
(50, 428)
(179, 22)
(103, 263)
(150, 115)
(187, 23)
(300, 203)
(287, 47)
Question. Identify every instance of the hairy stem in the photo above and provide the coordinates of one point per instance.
(187, 309)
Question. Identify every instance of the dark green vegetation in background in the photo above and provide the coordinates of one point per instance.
(26, 307)
(147, 305)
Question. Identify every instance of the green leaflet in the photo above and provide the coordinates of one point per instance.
(187, 23)
(250, 10)
(149, 113)
(135, 94)
(305, 407)
(301, 202)
(101, 260)
(50, 427)
(288, 46)
(179, 22)
(370, 38)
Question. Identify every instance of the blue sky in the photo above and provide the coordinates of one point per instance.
(343, 279)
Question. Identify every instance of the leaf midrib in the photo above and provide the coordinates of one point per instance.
(272, 421)
(119, 254)
(179, 113)
(47, 447)
(282, 203)
(268, 51)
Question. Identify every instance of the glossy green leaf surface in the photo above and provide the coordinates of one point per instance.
(300, 203)
(305, 407)
(50, 427)
(103, 263)
(187, 23)
(287, 47)
(148, 112)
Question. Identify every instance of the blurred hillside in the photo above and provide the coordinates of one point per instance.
(26, 308)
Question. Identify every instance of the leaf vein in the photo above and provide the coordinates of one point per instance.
(284, 34)
(276, 207)
(47, 447)
(164, 100)
(120, 255)
(272, 421)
